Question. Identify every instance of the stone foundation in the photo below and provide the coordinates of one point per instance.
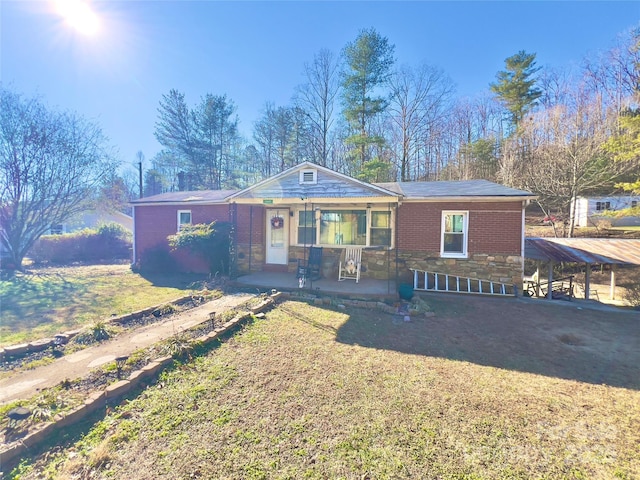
(250, 259)
(497, 268)
(380, 264)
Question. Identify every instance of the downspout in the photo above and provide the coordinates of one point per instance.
(250, 234)
(133, 258)
(389, 256)
(522, 246)
(397, 221)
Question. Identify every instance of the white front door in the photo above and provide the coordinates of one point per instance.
(277, 236)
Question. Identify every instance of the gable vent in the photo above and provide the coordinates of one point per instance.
(308, 177)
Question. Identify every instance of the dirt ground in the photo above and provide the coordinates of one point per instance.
(557, 339)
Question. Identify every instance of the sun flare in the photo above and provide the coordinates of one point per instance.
(79, 15)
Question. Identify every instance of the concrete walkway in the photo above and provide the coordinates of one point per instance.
(27, 383)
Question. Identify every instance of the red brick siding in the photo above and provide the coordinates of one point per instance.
(250, 220)
(154, 223)
(494, 227)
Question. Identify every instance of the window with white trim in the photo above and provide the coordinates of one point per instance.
(455, 234)
(634, 203)
(308, 177)
(184, 218)
(344, 226)
(601, 206)
(380, 231)
(307, 227)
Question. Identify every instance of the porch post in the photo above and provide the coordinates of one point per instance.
(550, 281)
(537, 278)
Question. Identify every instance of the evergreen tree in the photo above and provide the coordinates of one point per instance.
(368, 62)
(515, 86)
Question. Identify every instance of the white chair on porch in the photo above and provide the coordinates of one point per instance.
(350, 264)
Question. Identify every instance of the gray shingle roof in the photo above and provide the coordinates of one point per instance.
(200, 196)
(409, 190)
(463, 188)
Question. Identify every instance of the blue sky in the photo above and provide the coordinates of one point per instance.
(255, 51)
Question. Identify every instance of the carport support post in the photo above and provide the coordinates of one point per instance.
(612, 289)
(587, 280)
(550, 282)
(538, 279)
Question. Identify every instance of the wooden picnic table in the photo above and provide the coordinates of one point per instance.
(561, 288)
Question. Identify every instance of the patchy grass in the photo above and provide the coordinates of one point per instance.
(478, 391)
(43, 302)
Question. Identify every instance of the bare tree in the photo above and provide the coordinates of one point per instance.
(615, 74)
(317, 98)
(418, 99)
(51, 164)
(564, 155)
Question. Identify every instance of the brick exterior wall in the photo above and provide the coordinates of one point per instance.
(250, 243)
(154, 223)
(494, 241)
(494, 246)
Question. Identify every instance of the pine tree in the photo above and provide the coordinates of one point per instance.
(368, 62)
(515, 86)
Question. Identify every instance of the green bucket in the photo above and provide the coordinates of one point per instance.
(405, 291)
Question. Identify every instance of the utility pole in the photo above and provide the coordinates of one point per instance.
(140, 177)
(140, 156)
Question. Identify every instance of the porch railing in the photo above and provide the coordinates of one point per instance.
(444, 282)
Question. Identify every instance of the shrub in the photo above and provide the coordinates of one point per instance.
(632, 295)
(108, 242)
(157, 260)
(210, 241)
(632, 289)
(97, 332)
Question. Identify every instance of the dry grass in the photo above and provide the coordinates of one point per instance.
(316, 393)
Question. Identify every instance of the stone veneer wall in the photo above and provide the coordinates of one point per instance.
(380, 264)
(497, 268)
(257, 258)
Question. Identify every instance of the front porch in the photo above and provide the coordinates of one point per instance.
(367, 287)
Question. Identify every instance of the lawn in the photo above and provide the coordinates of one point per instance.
(43, 302)
(485, 389)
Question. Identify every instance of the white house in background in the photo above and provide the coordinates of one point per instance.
(92, 219)
(587, 209)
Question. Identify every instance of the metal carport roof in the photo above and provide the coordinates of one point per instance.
(609, 251)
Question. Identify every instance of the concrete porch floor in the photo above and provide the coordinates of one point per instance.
(366, 287)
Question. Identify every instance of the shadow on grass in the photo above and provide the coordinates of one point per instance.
(28, 301)
(547, 339)
(180, 281)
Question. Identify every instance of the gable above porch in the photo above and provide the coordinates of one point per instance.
(308, 182)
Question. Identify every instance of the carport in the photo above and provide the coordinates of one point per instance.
(602, 251)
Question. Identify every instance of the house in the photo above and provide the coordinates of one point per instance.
(92, 219)
(586, 210)
(470, 228)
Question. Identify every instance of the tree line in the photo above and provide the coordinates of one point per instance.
(559, 134)
(359, 112)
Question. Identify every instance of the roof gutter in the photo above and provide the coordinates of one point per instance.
(516, 198)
